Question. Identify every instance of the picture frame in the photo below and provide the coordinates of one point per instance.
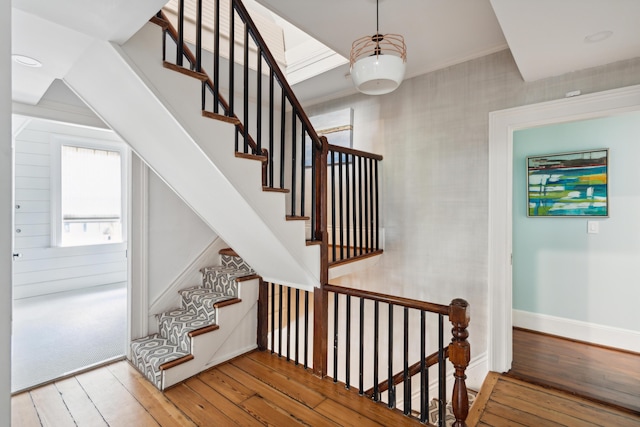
(573, 184)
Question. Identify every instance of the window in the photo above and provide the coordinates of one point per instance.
(90, 196)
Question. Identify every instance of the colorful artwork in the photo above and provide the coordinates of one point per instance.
(568, 184)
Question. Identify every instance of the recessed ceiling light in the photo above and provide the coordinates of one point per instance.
(27, 61)
(598, 37)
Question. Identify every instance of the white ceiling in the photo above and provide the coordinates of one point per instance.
(546, 37)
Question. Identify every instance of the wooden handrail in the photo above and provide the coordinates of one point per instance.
(347, 150)
(414, 369)
(390, 299)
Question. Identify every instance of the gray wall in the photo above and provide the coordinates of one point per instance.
(559, 269)
(433, 133)
(6, 207)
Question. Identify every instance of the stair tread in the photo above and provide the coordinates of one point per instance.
(187, 72)
(221, 117)
(227, 251)
(156, 350)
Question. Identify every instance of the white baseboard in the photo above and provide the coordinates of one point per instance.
(582, 331)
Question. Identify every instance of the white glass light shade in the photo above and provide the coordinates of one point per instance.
(378, 74)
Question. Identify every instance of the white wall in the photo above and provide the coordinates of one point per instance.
(177, 236)
(560, 270)
(6, 210)
(44, 268)
(433, 134)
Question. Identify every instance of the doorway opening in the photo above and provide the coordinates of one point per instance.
(70, 270)
(501, 129)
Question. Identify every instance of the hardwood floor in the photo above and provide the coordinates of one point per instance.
(253, 390)
(508, 401)
(595, 372)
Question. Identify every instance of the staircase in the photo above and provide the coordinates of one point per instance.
(190, 336)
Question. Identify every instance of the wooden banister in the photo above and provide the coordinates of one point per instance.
(390, 299)
(460, 356)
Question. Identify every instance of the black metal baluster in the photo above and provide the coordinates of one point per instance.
(306, 328)
(442, 373)
(335, 337)
(297, 340)
(271, 126)
(273, 317)
(406, 377)
(283, 137)
(293, 161)
(216, 57)
(360, 224)
(424, 372)
(376, 341)
(198, 64)
(391, 388)
(288, 322)
(347, 200)
(180, 41)
(340, 207)
(333, 205)
(280, 320)
(245, 101)
(365, 236)
(259, 104)
(361, 359)
(354, 206)
(314, 195)
(370, 243)
(347, 350)
(377, 224)
(302, 168)
(232, 56)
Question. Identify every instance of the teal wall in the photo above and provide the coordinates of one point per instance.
(559, 269)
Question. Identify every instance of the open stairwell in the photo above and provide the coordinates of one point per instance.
(208, 328)
(156, 110)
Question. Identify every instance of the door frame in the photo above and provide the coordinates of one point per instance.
(502, 124)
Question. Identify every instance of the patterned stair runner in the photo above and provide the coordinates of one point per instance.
(154, 353)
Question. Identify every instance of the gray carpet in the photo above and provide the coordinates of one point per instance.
(54, 335)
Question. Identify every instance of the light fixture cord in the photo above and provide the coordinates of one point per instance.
(377, 28)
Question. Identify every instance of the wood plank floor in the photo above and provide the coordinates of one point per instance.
(252, 390)
(508, 401)
(599, 373)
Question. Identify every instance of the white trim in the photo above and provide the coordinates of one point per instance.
(609, 336)
(501, 126)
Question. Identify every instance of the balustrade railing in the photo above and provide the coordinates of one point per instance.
(354, 214)
(368, 345)
(250, 90)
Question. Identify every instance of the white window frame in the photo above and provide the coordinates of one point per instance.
(57, 141)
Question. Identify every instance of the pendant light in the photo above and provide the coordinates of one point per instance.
(378, 62)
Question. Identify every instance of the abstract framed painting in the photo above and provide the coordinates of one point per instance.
(568, 184)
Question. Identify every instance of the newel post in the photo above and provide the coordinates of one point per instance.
(320, 297)
(459, 355)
